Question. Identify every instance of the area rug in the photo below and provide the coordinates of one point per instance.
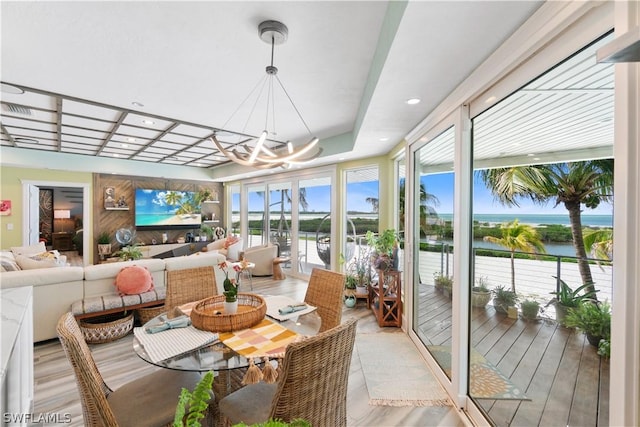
(487, 382)
(396, 374)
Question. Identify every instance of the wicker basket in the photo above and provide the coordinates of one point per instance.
(106, 328)
(147, 313)
(209, 315)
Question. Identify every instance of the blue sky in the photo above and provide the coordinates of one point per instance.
(441, 185)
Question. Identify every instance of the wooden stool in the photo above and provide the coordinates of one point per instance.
(278, 274)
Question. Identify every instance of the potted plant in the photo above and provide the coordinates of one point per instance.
(480, 294)
(567, 298)
(350, 283)
(383, 244)
(129, 253)
(530, 309)
(104, 244)
(503, 299)
(207, 230)
(442, 281)
(593, 319)
(193, 405)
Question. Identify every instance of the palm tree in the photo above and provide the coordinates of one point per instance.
(573, 184)
(428, 202)
(517, 237)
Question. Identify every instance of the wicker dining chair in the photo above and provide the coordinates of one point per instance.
(188, 285)
(312, 385)
(326, 291)
(147, 401)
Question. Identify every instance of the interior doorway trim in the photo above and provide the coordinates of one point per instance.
(86, 214)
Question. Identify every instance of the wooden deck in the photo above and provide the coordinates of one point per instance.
(556, 367)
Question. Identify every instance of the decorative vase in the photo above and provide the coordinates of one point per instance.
(231, 307)
(480, 299)
(350, 301)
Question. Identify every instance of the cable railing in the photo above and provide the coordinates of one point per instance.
(535, 276)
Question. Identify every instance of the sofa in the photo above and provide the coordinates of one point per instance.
(57, 290)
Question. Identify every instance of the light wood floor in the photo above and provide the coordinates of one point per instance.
(55, 388)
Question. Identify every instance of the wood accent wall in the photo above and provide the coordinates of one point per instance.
(112, 220)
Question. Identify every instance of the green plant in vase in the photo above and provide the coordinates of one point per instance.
(192, 406)
(530, 309)
(567, 298)
(593, 319)
(230, 285)
(383, 244)
(480, 293)
(129, 253)
(503, 299)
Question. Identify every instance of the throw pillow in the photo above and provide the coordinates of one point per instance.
(36, 261)
(134, 280)
(8, 262)
(36, 248)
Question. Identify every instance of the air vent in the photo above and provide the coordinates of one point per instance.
(18, 109)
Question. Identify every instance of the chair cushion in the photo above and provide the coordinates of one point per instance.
(134, 280)
(152, 399)
(250, 405)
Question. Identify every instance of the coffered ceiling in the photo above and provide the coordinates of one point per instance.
(96, 74)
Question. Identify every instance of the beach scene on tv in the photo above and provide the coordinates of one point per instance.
(161, 207)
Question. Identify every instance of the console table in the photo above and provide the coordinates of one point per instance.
(62, 241)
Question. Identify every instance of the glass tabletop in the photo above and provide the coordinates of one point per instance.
(217, 356)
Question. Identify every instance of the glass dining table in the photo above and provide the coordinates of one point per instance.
(217, 356)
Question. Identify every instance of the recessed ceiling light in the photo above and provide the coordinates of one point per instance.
(130, 139)
(137, 104)
(530, 154)
(124, 145)
(384, 138)
(490, 99)
(148, 122)
(7, 88)
(341, 158)
(413, 101)
(116, 155)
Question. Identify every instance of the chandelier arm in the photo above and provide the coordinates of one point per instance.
(294, 105)
(294, 155)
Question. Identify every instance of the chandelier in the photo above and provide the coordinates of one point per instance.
(260, 155)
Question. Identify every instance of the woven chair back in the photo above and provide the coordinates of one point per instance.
(326, 291)
(315, 374)
(188, 285)
(93, 390)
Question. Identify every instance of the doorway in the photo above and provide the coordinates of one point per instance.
(72, 198)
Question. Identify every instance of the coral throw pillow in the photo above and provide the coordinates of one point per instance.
(134, 280)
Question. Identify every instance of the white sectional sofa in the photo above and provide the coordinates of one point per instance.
(55, 290)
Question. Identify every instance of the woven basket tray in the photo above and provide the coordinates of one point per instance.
(209, 314)
(106, 328)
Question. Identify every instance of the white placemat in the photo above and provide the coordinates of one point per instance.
(274, 303)
(172, 342)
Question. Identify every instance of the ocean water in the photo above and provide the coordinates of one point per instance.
(538, 219)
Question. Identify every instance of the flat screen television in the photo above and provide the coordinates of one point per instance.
(163, 209)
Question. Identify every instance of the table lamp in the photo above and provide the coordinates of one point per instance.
(62, 214)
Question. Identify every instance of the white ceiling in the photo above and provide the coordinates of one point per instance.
(348, 66)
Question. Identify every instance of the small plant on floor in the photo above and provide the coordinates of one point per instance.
(480, 293)
(350, 282)
(503, 299)
(593, 319)
(442, 281)
(192, 406)
(530, 309)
